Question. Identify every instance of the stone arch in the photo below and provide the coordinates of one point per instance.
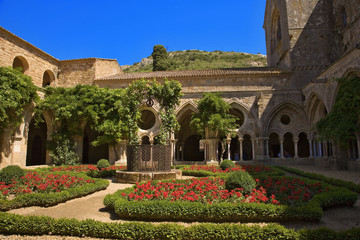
(274, 121)
(316, 109)
(36, 142)
(288, 144)
(190, 105)
(21, 62)
(188, 144)
(48, 78)
(149, 121)
(303, 145)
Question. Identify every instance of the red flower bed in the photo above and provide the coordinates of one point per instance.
(204, 190)
(41, 183)
(291, 191)
(87, 168)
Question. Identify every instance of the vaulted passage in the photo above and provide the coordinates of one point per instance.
(93, 154)
(36, 147)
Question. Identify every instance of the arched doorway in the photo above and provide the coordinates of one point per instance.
(36, 143)
(303, 146)
(20, 63)
(145, 140)
(274, 145)
(188, 144)
(247, 147)
(235, 149)
(93, 154)
(289, 150)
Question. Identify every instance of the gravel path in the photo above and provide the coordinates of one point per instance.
(91, 207)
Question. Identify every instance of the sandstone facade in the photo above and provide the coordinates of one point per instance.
(309, 43)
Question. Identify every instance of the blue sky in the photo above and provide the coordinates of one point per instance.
(128, 30)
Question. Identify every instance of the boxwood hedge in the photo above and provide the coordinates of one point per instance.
(163, 210)
(41, 225)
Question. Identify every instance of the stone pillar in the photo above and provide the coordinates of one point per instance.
(228, 142)
(241, 149)
(281, 147)
(260, 148)
(173, 149)
(358, 145)
(296, 140)
(117, 153)
(267, 147)
(310, 148)
(211, 146)
(320, 149)
(315, 148)
(253, 148)
(182, 151)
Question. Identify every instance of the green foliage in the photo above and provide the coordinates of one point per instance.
(64, 153)
(226, 164)
(51, 199)
(160, 58)
(102, 163)
(344, 118)
(113, 113)
(16, 91)
(10, 173)
(195, 59)
(213, 114)
(240, 179)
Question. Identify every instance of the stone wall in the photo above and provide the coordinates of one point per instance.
(38, 61)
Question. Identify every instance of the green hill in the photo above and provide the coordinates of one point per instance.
(196, 59)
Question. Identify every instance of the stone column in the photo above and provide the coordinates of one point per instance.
(358, 145)
(260, 152)
(241, 149)
(253, 148)
(315, 148)
(182, 151)
(310, 148)
(173, 149)
(320, 149)
(228, 142)
(267, 147)
(281, 147)
(296, 140)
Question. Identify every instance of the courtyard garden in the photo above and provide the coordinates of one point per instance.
(219, 198)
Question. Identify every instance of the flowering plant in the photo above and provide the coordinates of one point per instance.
(34, 182)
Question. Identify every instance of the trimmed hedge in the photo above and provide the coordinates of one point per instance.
(332, 181)
(41, 225)
(51, 199)
(164, 210)
(225, 164)
(7, 174)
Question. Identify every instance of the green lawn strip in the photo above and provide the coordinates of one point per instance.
(165, 210)
(42, 225)
(54, 198)
(332, 181)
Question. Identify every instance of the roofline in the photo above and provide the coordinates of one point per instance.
(12, 35)
(177, 74)
(85, 59)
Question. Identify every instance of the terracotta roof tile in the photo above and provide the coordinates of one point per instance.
(198, 73)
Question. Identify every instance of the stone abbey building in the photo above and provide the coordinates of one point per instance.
(309, 43)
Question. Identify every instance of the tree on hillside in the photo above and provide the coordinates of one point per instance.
(160, 58)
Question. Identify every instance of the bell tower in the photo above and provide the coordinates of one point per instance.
(300, 37)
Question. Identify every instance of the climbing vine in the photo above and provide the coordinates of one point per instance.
(16, 91)
(113, 113)
(343, 121)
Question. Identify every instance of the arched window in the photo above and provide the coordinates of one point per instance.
(48, 77)
(20, 63)
(276, 34)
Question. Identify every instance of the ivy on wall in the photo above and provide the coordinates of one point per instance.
(343, 121)
(113, 113)
(16, 91)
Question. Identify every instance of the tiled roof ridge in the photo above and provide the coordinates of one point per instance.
(27, 43)
(199, 73)
(90, 58)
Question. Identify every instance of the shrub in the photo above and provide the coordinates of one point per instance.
(11, 172)
(226, 164)
(64, 154)
(240, 180)
(103, 163)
